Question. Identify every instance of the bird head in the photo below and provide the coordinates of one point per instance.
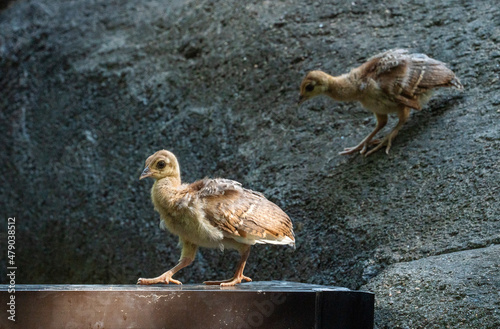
(315, 83)
(160, 165)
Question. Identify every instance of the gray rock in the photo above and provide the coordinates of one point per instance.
(89, 89)
(456, 290)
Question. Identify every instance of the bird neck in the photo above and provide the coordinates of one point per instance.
(342, 88)
(163, 190)
(168, 182)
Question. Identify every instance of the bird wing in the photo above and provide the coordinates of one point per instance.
(242, 214)
(404, 77)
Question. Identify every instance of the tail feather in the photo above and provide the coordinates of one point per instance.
(455, 82)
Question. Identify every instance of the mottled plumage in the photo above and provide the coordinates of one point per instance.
(212, 213)
(391, 82)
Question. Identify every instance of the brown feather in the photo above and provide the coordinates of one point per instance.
(213, 213)
(405, 77)
(234, 209)
(391, 82)
(207, 210)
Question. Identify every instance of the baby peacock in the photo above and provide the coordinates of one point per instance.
(212, 213)
(391, 82)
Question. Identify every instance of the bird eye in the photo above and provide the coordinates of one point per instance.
(161, 164)
(309, 88)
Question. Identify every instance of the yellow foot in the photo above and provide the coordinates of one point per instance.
(230, 282)
(388, 140)
(350, 150)
(362, 147)
(164, 278)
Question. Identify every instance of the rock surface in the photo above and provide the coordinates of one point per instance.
(460, 289)
(89, 89)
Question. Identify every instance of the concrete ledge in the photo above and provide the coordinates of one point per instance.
(270, 304)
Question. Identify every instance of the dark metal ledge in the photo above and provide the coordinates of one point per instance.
(269, 304)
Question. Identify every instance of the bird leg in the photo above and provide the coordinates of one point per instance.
(187, 256)
(238, 275)
(363, 146)
(403, 116)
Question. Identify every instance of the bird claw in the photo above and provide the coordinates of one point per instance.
(351, 150)
(166, 279)
(387, 139)
(362, 147)
(230, 282)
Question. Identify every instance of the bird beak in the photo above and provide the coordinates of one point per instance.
(146, 173)
(301, 100)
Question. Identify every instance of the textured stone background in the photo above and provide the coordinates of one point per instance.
(89, 89)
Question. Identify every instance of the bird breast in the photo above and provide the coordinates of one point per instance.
(375, 99)
(188, 221)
